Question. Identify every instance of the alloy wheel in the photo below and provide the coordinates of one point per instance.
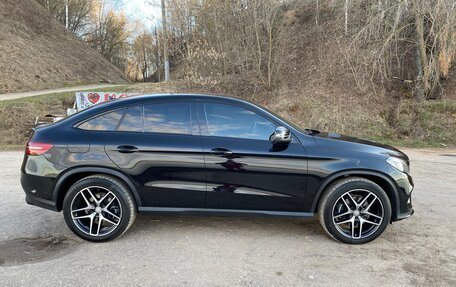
(96, 211)
(358, 214)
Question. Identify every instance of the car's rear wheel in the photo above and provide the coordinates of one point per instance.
(99, 208)
(354, 210)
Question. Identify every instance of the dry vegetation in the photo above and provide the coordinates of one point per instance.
(353, 66)
(36, 52)
(331, 80)
(405, 123)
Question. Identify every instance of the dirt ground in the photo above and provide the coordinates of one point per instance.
(37, 249)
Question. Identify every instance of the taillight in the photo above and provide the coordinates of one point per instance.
(37, 148)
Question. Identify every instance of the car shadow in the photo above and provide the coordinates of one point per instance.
(146, 223)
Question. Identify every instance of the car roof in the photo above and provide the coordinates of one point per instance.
(177, 96)
(138, 99)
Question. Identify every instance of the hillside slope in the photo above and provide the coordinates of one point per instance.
(318, 88)
(36, 52)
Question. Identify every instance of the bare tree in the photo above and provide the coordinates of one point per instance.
(221, 37)
(74, 14)
(407, 40)
(109, 33)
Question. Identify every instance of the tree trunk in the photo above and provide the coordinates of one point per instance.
(422, 71)
(165, 41)
(346, 17)
(157, 56)
(145, 74)
(258, 41)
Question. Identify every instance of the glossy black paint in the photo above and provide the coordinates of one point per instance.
(198, 172)
(255, 176)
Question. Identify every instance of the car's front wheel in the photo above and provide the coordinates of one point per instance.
(99, 208)
(354, 210)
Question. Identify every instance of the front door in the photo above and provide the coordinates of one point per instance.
(159, 147)
(244, 170)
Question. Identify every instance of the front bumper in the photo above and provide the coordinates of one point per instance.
(405, 215)
(405, 207)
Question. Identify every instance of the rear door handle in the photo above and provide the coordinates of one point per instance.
(127, 149)
(221, 151)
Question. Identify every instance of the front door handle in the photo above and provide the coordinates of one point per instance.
(127, 149)
(221, 151)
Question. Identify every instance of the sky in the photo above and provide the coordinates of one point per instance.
(148, 11)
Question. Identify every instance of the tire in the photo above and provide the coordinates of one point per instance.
(354, 210)
(99, 208)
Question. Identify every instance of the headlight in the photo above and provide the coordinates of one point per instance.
(398, 163)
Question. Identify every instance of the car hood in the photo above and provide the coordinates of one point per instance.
(376, 147)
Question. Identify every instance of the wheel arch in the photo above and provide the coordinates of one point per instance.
(68, 178)
(383, 180)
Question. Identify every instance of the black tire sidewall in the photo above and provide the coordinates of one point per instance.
(118, 190)
(339, 191)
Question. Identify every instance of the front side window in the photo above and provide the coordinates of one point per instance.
(104, 122)
(171, 118)
(236, 122)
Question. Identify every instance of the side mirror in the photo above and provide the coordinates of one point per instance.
(281, 136)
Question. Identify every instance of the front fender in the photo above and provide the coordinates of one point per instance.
(392, 190)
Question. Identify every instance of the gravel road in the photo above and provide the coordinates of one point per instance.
(37, 249)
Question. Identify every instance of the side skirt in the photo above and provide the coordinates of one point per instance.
(224, 212)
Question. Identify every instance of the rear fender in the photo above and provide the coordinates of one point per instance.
(94, 170)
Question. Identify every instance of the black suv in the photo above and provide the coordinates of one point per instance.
(212, 155)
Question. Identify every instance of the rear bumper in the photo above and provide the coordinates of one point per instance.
(47, 204)
(38, 190)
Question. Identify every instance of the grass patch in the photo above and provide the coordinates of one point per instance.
(438, 122)
(407, 142)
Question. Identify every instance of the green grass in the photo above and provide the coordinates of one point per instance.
(408, 142)
(428, 125)
(440, 106)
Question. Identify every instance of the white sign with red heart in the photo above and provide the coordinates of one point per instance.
(88, 99)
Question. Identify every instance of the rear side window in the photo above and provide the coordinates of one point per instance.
(171, 118)
(133, 120)
(104, 122)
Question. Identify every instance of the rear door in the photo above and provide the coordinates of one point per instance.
(158, 145)
(244, 170)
